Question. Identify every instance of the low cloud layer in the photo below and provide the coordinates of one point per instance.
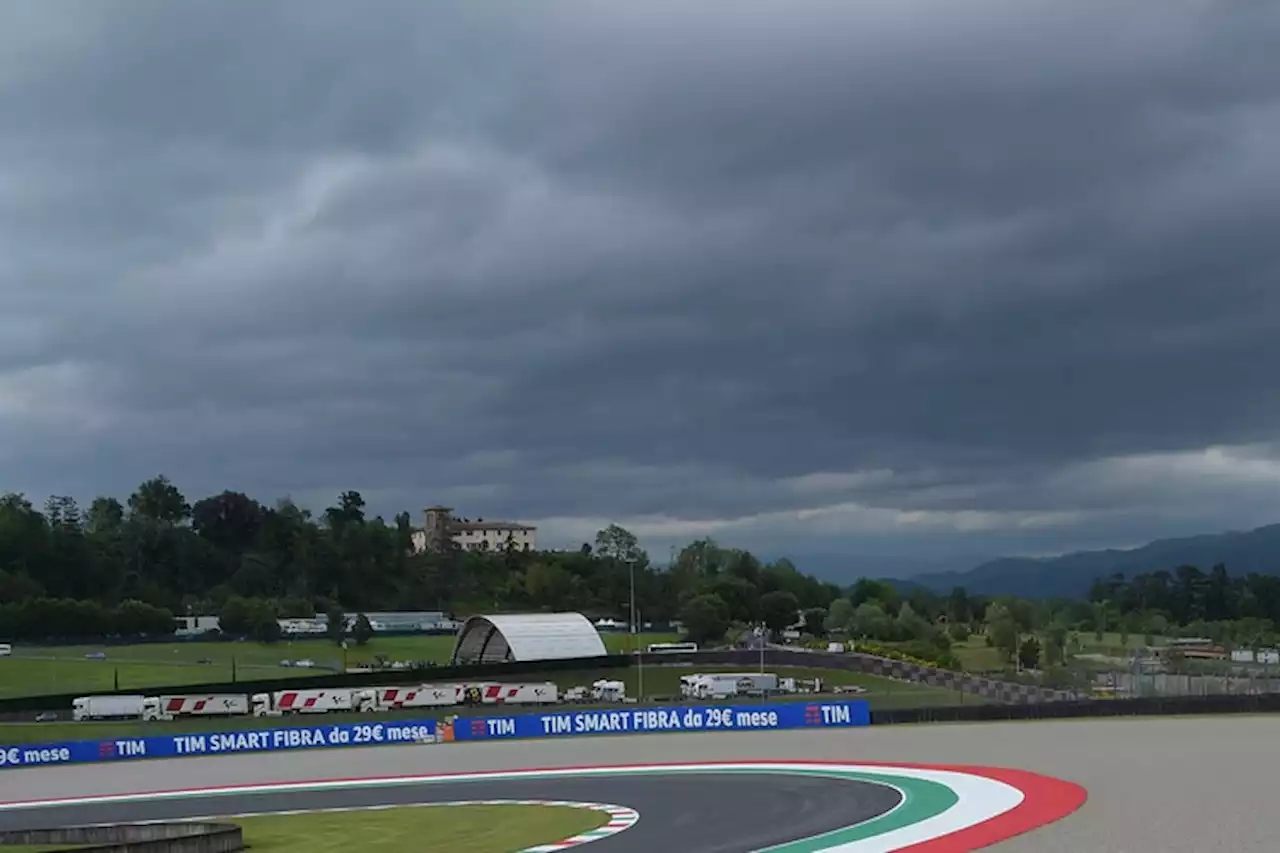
(813, 277)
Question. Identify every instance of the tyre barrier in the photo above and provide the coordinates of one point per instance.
(132, 838)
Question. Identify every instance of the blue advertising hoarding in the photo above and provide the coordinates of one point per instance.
(637, 720)
(218, 743)
(668, 718)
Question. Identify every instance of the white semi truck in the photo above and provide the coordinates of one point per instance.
(107, 707)
(601, 690)
(606, 690)
(722, 685)
(325, 701)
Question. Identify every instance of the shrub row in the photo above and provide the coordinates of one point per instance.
(43, 619)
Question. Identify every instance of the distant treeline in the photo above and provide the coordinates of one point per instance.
(1188, 595)
(126, 568)
(248, 563)
(68, 619)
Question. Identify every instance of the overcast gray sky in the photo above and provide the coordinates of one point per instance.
(816, 276)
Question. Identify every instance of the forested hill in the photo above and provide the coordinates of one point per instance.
(1071, 575)
(230, 555)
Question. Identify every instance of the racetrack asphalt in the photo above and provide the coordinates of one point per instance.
(1156, 785)
(692, 813)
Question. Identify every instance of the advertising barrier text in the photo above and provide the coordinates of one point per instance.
(219, 743)
(668, 718)
(638, 720)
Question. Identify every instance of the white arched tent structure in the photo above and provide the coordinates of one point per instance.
(525, 637)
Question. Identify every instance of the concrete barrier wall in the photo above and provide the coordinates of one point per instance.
(134, 838)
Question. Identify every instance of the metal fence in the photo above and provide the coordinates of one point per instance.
(1129, 684)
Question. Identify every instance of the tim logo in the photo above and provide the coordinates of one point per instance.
(478, 728)
(812, 715)
(106, 750)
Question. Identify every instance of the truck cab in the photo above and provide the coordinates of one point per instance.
(262, 706)
(609, 691)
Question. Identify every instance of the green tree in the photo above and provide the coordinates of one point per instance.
(814, 619)
(230, 521)
(1029, 653)
(779, 610)
(705, 619)
(618, 543)
(839, 617)
(266, 624)
(105, 516)
(959, 607)
(870, 621)
(236, 617)
(1129, 623)
(1101, 619)
(912, 626)
(159, 500)
(547, 585)
(869, 591)
(1002, 630)
(335, 623)
(741, 597)
(362, 630)
(1055, 646)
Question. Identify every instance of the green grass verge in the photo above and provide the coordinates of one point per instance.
(34, 671)
(881, 693)
(423, 829)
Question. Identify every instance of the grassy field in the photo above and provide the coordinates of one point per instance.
(659, 681)
(457, 829)
(976, 656)
(32, 670)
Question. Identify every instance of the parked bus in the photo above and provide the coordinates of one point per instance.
(673, 647)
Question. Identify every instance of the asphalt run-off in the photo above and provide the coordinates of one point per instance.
(737, 806)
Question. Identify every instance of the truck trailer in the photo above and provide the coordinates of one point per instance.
(284, 702)
(107, 707)
(195, 705)
(494, 693)
(394, 698)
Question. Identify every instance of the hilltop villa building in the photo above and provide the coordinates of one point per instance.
(441, 526)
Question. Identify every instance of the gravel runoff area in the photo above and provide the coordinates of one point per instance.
(1156, 785)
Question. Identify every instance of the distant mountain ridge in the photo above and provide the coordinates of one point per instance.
(1070, 575)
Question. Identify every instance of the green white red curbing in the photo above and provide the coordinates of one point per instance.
(943, 809)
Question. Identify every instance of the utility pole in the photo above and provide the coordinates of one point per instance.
(639, 667)
(631, 624)
(761, 636)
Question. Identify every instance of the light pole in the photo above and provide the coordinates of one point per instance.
(631, 625)
(760, 641)
(639, 667)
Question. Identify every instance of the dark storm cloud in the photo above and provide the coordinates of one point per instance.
(931, 270)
